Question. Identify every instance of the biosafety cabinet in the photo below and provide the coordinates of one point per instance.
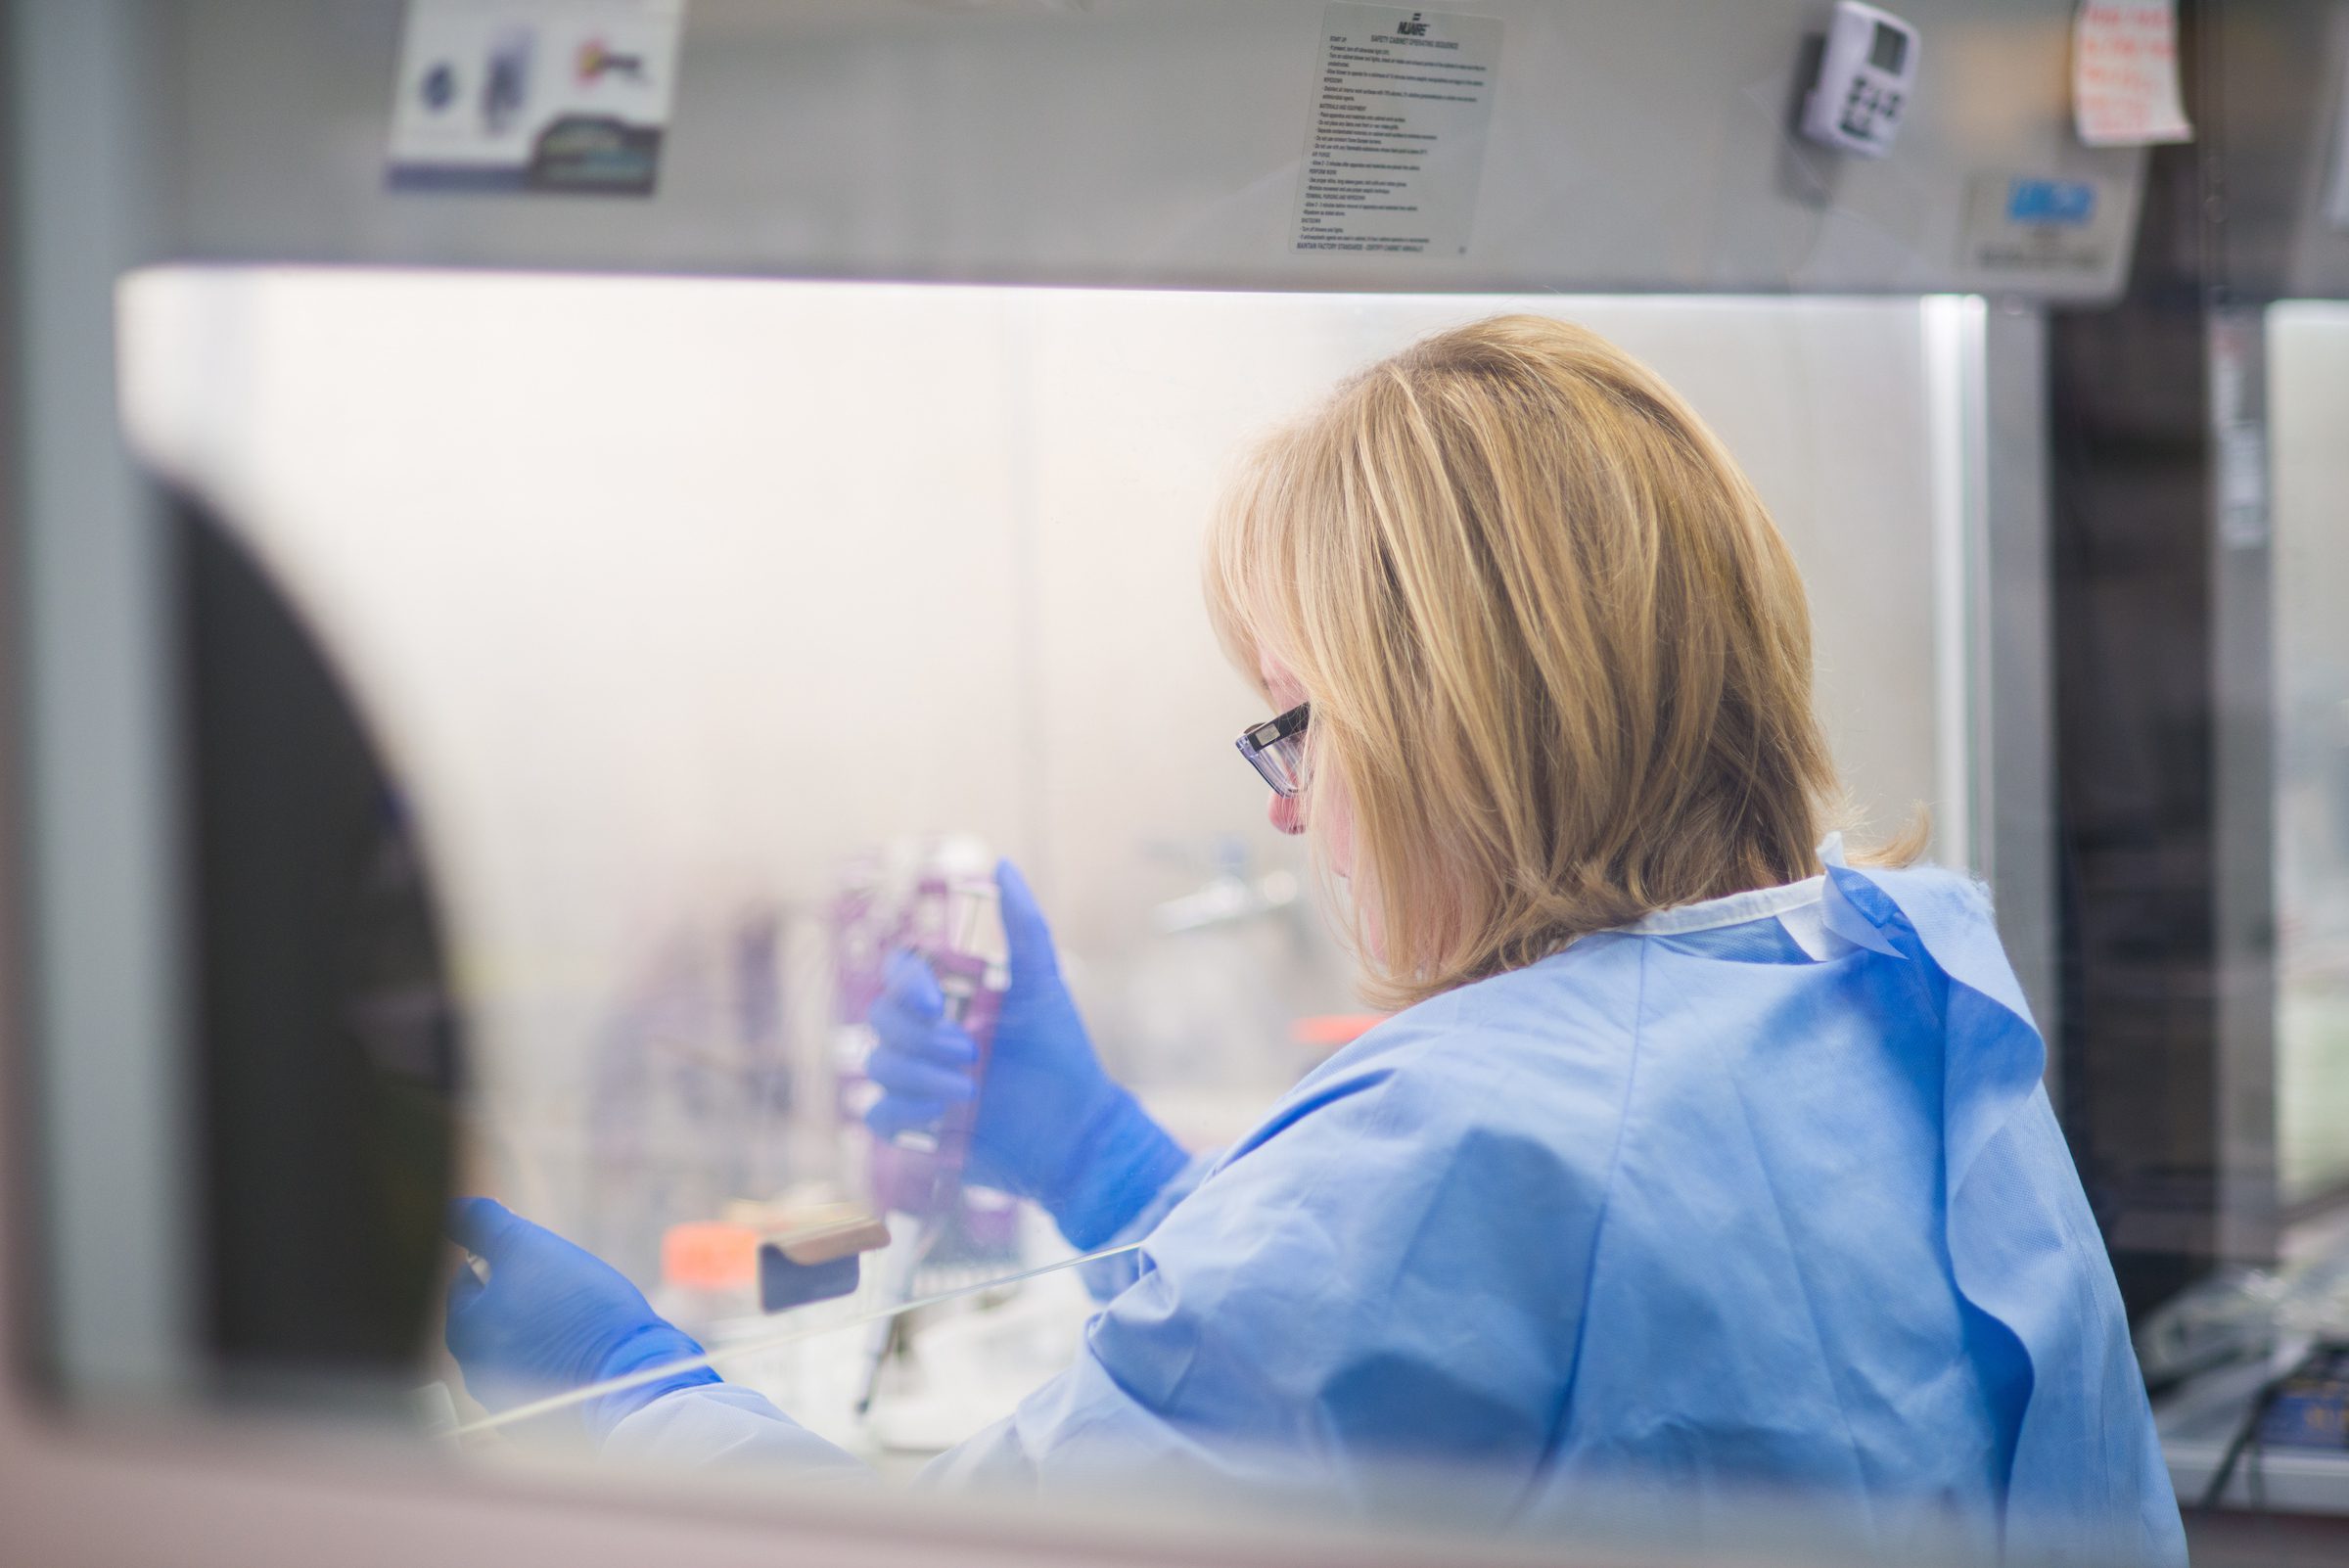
(519, 510)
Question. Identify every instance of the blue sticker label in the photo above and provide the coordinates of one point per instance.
(2059, 203)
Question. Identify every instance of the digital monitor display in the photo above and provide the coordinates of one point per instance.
(1889, 50)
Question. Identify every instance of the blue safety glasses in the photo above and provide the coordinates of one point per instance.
(1276, 749)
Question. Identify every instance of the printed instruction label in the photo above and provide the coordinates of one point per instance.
(1396, 148)
(2125, 73)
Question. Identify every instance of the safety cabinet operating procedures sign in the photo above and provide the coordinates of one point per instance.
(1396, 143)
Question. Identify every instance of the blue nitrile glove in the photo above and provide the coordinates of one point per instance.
(1051, 1125)
(553, 1318)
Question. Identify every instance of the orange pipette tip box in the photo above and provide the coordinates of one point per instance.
(710, 1255)
(1330, 1031)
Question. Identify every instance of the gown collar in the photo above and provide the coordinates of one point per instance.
(1737, 909)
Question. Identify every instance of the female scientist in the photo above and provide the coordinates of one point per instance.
(1700, 1164)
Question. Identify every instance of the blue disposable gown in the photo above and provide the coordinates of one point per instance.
(1761, 1199)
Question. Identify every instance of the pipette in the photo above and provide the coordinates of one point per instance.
(955, 925)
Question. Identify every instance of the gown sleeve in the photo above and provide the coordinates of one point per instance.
(723, 1424)
(1105, 1277)
(1388, 1272)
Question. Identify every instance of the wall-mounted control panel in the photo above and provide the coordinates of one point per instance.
(1866, 76)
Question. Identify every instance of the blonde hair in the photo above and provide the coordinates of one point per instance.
(1559, 656)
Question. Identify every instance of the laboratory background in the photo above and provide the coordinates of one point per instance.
(545, 538)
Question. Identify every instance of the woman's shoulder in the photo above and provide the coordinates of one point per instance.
(1947, 914)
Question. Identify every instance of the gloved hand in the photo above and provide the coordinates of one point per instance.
(553, 1318)
(1051, 1125)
